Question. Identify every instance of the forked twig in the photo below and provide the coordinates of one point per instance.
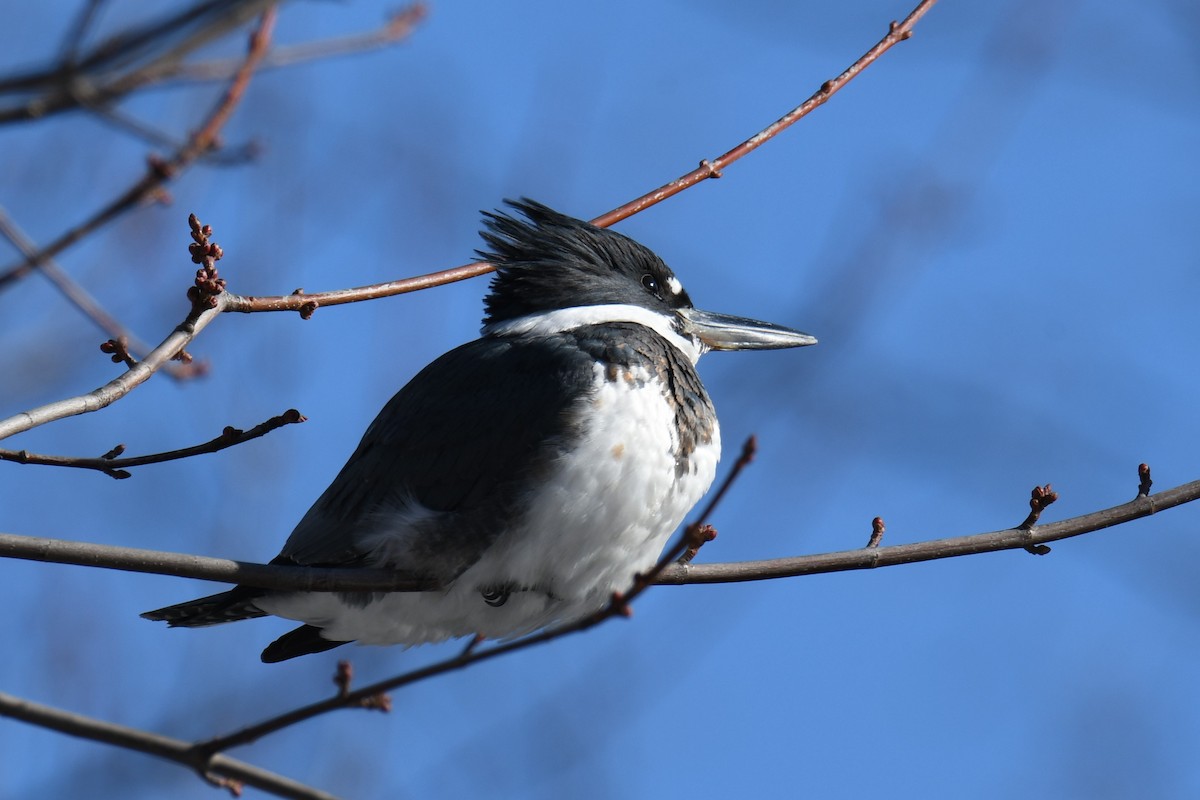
(115, 467)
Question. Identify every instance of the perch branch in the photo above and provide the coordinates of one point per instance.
(268, 576)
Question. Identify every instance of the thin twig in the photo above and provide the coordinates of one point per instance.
(714, 168)
(115, 467)
(399, 26)
(165, 747)
(117, 388)
(83, 300)
(69, 50)
(897, 32)
(126, 61)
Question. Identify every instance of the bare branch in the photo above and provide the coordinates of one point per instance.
(897, 32)
(216, 768)
(124, 62)
(156, 562)
(872, 557)
(396, 28)
(205, 296)
(299, 301)
(269, 576)
(114, 467)
(160, 171)
(117, 388)
(84, 301)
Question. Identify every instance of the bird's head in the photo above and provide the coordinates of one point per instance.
(555, 272)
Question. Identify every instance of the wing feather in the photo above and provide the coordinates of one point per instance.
(442, 468)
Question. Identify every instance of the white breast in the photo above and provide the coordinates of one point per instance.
(605, 513)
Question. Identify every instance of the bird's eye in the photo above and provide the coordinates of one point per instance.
(650, 283)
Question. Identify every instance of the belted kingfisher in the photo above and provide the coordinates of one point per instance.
(530, 473)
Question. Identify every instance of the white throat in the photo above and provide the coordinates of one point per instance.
(546, 323)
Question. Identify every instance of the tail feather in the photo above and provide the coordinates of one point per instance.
(237, 603)
(298, 642)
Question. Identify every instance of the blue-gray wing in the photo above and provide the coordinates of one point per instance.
(444, 465)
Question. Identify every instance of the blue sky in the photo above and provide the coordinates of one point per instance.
(992, 232)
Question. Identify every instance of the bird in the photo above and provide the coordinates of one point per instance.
(528, 474)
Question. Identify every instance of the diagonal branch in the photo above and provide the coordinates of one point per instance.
(124, 62)
(218, 769)
(118, 387)
(83, 300)
(307, 303)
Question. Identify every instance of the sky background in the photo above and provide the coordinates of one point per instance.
(993, 232)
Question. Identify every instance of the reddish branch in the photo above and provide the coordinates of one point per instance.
(115, 467)
(897, 32)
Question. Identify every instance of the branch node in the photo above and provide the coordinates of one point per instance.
(118, 349)
(618, 604)
(374, 702)
(877, 529)
(1144, 480)
(342, 677)
(209, 282)
(713, 170)
(116, 451)
(1039, 499)
(696, 536)
(160, 168)
(234, 787)
(476, 640)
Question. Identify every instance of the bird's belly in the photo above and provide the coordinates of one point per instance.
(608, 506)
(603, 513)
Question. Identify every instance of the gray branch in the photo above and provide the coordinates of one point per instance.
(218, 769)
(314, 579)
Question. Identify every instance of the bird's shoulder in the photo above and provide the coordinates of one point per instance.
(445, 455)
